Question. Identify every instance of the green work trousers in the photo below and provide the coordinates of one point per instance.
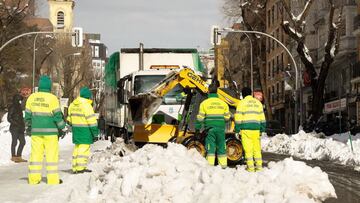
(215, 145)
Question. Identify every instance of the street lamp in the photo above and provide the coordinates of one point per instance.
(34, 59)
(289, 53)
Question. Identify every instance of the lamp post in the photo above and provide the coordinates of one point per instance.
(292, 58)
(34, 59)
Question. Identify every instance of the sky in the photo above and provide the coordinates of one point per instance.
(156, 23)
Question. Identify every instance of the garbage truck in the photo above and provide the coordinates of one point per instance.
(132, 71)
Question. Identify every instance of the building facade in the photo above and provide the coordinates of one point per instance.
(279, 74)
(99, 59)
(355, 80)
(339, 99)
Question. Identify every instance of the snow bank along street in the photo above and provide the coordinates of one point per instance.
(310, 146)
(174, 174)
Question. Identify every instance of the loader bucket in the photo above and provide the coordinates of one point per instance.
(143, 106)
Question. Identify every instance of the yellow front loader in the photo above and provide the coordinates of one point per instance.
(144, 105)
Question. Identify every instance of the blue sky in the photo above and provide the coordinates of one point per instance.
(156, 23)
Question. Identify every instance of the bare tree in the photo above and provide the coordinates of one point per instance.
(252, 14)
(74, 69)
(16, 57)
(295, 29)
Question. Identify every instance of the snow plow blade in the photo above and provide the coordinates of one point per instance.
(143, 106)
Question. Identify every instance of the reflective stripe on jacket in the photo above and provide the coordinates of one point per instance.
(83, 120)
(250, 115)
(43, 114)
(213, 112)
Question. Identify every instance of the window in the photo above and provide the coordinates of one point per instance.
(277, 36)
(143, 83)
(60, 20)
(283, 88)
(277, 65)
(268, 18)
(276, 14)
(273, 68)
(268, 70)
(282, 62)
(272, 16)
(96, 54)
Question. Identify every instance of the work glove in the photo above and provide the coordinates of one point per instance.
(197, 135)
(62, 133)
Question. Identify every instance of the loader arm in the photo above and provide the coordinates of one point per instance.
(144, 105)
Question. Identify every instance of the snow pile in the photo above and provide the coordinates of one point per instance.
(311, 146)
(175, 174)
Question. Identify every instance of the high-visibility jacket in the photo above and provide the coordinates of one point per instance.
(43, 114)
(82, 118)
(250, 115)
(213, 112)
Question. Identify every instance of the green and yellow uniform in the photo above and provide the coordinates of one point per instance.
(250, 120)
(83, 120)
(213, 114)
(43, 115)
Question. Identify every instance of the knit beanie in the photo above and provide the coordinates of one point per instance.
(45, 84)
(85, 93)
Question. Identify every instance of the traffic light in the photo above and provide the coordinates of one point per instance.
(77, 37)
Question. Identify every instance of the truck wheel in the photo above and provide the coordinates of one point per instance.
(191, 143)
(234, 151)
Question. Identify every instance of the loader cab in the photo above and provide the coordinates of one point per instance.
(142, 82)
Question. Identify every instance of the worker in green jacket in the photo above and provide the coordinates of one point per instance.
(44, 119)
(85, 130)
(213, 114)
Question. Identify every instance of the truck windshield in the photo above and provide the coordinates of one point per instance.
(143, 84)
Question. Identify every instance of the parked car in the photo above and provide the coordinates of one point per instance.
(331, 127)
(273, 127)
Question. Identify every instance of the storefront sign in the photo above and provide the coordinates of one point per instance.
(334, 106)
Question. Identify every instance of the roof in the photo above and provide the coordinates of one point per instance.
(43, 24)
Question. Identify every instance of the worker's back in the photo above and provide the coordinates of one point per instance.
(43, 106)
(249, 114)
(214, 112)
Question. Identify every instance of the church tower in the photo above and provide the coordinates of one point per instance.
(61, 14)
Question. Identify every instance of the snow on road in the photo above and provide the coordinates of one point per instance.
(174, 174)
(310, 146)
